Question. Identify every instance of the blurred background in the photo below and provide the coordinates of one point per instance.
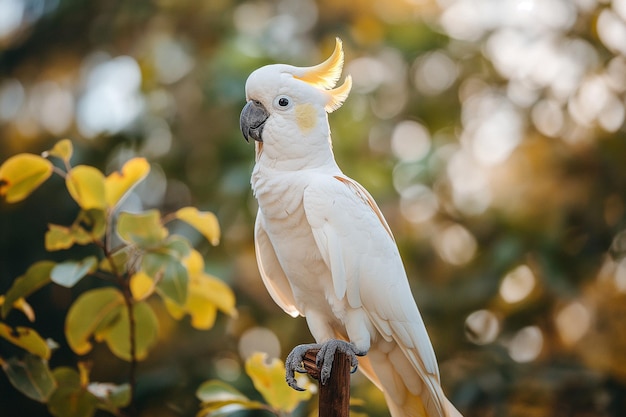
(491, 132)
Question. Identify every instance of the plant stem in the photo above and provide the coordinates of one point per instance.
(123, 280)
(132, 377)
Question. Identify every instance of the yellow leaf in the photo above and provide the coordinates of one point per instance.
(58, 238)
(86, 186)
(176, 311)
(269, 380)
(88, 227)
(23, 306)
(202, 314)
(205, 295)
(194, 263)
(203, 221)
(21, 174)
(62, 149)
(118, 184)
(84, 368)
(141, 286)
(26, 338)
(217, 292)
(208, 288)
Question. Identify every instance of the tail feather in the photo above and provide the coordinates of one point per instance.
(406, 393)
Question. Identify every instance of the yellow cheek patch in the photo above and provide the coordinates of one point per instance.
(306, 117)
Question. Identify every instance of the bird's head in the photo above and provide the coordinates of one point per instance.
(287, 106)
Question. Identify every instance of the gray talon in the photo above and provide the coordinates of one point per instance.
(293, 364)
(326, 356)
(323, 361)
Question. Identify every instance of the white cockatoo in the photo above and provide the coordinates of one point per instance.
(323, 247)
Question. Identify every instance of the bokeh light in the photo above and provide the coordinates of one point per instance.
(526, 345)
(517, 284)
(410, 141)
(259, 339)
(455, 244)
(572, 322)
(482, 327)
(434, 72)
(111, 100)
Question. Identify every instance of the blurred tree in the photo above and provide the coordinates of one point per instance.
(490, 131)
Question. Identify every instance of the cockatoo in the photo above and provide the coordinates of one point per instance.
(323, 247)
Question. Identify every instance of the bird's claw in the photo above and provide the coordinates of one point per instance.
(323, 360)
(294, 364)
(326, 355)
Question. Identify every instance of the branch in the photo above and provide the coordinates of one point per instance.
(334, 399)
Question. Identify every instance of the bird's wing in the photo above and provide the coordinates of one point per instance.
(272, 273)
(358, 247)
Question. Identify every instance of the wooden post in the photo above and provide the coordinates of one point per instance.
(334, 399)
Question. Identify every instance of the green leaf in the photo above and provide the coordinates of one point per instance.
(67, 274)
(71, 398)
(216, 391)
(35, 277)
(21, 174)
(146, 332)
(66, 377)
(91, 315)
(102, 313)
(144, 229)
(203, 221)
(94, 222)
(72, 402)
(31, 377)
(216, 395)
(118, 184)
(169, 273)
(119, 259)
(86, 186)
(26, 338)
(175, 246)
(91, 222)
(63, 149)
(269, 380)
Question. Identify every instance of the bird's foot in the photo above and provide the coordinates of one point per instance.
(326, 355)
(294, 364)
(323, 361)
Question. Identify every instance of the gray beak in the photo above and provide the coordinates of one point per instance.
(252, 120)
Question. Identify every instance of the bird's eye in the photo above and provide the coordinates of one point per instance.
(282, 102)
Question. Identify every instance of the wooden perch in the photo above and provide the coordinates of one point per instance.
(334, 398)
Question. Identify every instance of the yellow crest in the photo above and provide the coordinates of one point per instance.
(325, 77)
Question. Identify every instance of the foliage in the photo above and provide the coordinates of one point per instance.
(219, 398)
(148, 260)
